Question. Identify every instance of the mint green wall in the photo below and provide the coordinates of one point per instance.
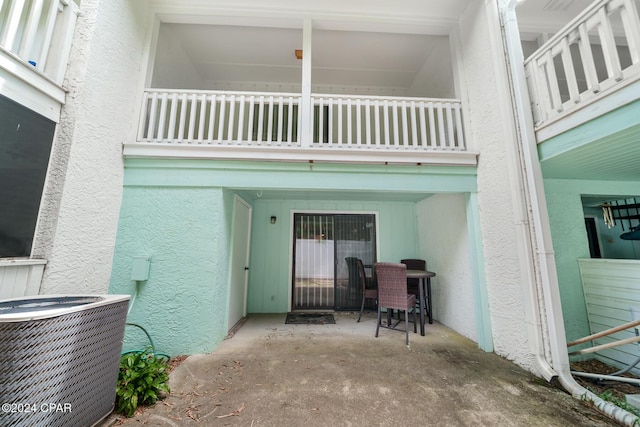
(269, 275)
(179, 212)
(570, 242)
(185, 231)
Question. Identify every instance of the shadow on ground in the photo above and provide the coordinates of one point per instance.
(272, 374)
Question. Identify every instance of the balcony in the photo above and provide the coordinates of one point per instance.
(596, 56)
(271, 126)
(35, 41)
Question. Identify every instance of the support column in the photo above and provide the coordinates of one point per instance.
(306, 108)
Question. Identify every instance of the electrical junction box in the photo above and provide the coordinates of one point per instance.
(140, 268)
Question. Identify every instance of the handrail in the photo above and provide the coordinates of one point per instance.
(230, 118)
(604, 333)
(559, 84)
(39, 33)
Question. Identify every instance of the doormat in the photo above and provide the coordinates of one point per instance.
(310, 319)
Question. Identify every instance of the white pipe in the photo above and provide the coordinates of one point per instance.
(534, 191)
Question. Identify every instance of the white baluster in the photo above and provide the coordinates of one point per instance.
(250, 125)
(631, 23)
(423, 126)
(376, 118)
(270, 121)
(145, 118)
(290, 121)
(212, 118)
(609, 49)
(396, 129)
(340, 119)
(50, 24)
(192, 116)
(163, 115)
(587, 60)
(349, 124)
(10, 33)
(460, 142)
(432, 127)
(280, 118)
(221, 118)
(30, 30)
(232, 110)
(203, 113)
(260, 119)
(414, 125)
(241, 120)
(450, 134)
(358, 122)
(554, 88)
(441, 135)
(320, 120)
(367, 120)
(330, 124)
(569, 70)
(387, 142)
(183, 117)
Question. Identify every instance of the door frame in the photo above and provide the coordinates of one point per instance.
(239, 200)
(292, 213)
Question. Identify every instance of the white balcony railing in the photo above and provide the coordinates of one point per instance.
(274, 120)
(39, 33)
(596, 53)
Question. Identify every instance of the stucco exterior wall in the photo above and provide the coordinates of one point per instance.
(489, 127)
(570, 242)
(443, 240)
(270, 276)
(78, 221)
(185, 231)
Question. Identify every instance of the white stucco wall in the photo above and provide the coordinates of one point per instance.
(104, 80)
(435, 77)
(173, 68)
(444, 244)
(490, 130)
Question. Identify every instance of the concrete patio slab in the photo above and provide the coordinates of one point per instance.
(272, 374)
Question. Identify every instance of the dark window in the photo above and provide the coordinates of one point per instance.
(25, 146)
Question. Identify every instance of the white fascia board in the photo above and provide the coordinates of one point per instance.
(296, 154)
(30, 88)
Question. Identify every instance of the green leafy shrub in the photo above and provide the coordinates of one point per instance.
(143, 377)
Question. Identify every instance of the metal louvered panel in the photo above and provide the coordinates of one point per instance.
(61, 370)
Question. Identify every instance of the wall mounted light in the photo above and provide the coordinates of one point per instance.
(273, 219)
(299, 53)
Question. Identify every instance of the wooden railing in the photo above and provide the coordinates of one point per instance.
(38, 32)
(596, 53)
(274, 119)
(391, 122)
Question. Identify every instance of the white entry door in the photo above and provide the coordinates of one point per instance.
(239, 261)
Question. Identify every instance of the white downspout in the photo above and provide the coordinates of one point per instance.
(534, 194)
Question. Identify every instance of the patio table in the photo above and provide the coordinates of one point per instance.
(424, 280)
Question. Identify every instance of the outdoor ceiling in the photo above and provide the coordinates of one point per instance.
(387, 196)
(239, 54)
(383, 45)
(614, 158)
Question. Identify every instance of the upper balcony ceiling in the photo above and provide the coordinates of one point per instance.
(226, 56)
(538, 17)
(387, 47)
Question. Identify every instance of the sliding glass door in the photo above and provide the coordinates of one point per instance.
(325, 247)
